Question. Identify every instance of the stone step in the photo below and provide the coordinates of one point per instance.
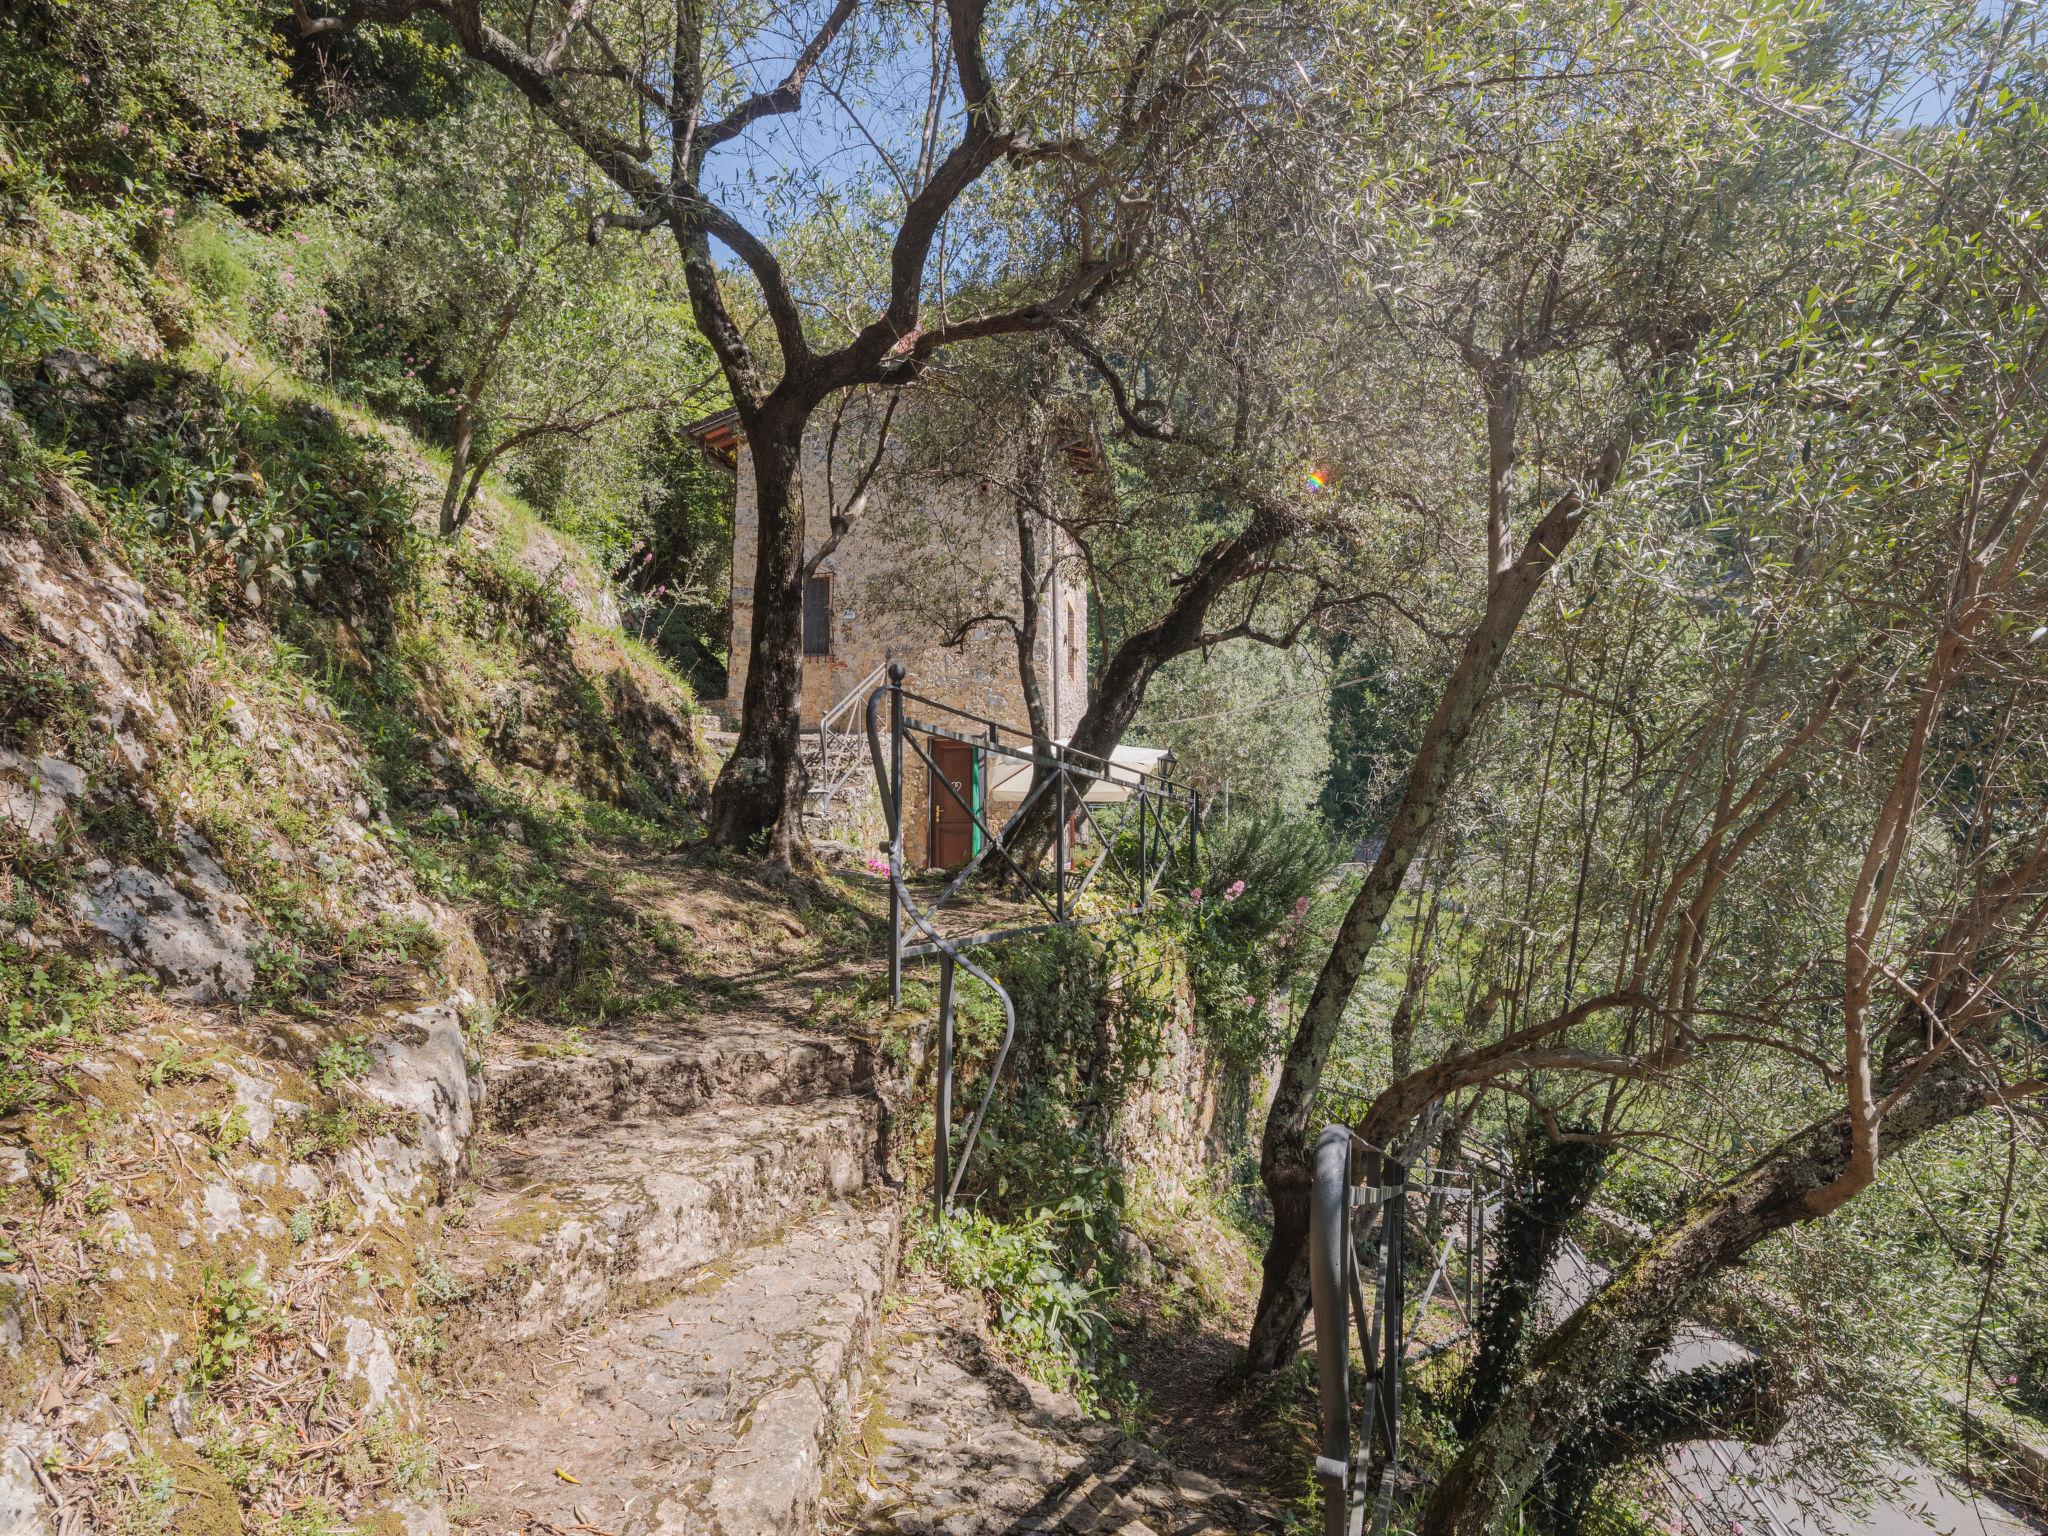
(631, 1071)
(961, 1445)
(710, 1414)
(568, 1224)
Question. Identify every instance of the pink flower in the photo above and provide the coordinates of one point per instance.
(1301, 909)
(1195, 894)
(1236, 890)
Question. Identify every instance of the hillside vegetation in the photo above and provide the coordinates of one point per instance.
(1569, 483)
(310, 815)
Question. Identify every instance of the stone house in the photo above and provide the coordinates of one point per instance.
(927, 575)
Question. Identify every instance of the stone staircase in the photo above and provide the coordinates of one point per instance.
(956, 1444)
(670, 1286)
(669, 1277)
(839, 780)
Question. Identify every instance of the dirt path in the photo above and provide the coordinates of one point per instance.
(954, 1443)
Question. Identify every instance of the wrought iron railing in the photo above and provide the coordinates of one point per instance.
(839, 734)
(1140, 824)
(1358, 1208)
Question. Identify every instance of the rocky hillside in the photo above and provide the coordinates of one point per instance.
(387, 1078)
(288, 792)
(404, 1125)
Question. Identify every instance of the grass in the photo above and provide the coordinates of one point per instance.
(43, 708)
(152, 1497)
(311, 714)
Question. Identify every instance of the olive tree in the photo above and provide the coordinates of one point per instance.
(1551, 285)
(1896, 764)
(1068, 110)
(535, 333)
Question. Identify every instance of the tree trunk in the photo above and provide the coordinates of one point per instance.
(1283, 1150)
(1736, 1400)
(1029, 505)
(1028, 629)
(452, 499)
(1120, 690)
(1616, 1335)
(757, 803)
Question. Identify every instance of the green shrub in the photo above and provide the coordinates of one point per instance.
(1093, 1008)
(498, 597)
(33, 320)
(261, 498)
(207, 254)
(1275, 858)
(340, 1060)
(224, 1130)
(42, 707)
(1245, 918)
(234, 1311)
(1041, 1313)
(124, 101)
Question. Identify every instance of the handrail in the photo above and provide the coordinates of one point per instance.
(851, 701)
(1058, 774)
(943, 1188)
(1350, 1173)
(838, 720)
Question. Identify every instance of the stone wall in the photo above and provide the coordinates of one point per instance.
(1183, 1123)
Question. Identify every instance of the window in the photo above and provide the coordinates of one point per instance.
(818, 616)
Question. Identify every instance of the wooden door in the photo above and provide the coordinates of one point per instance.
(952, 828)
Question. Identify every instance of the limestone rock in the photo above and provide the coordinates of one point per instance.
(23, 1509)
(201, 950)
(367, 1357)
(36, 795)
(422, 1066)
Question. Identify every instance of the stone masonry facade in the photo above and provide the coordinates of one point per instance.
(923, 577)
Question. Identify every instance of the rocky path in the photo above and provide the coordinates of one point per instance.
(669, 1279)
(675, 1307)
(956, 1444)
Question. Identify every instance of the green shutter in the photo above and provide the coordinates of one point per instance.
(980, 814)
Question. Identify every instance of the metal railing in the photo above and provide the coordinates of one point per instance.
(1167, 819)
(1343, 1183)
(839, 753)
(1350, 1175)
